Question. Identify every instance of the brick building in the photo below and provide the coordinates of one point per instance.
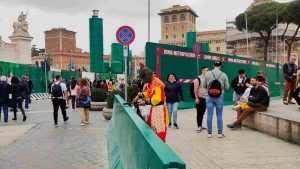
(60, 44)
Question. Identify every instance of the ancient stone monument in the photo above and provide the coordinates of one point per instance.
(19, 50)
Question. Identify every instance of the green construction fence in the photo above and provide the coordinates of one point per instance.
(133, 144)
(37, 75)
(164, 59)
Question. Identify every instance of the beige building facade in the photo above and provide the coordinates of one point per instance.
(216, 40)
(175, 23)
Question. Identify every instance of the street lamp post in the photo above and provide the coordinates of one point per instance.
(247, 37)
(276, 35)
(148, 20)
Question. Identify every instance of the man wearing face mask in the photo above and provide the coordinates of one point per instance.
(155, 94)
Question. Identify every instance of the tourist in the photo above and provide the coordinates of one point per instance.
(59, 99)
(4, 97)
(30, 85)
(261, 83)
(238, 84)
(18, 92)
(110, 87)
(26, 94)
(50, 85)
(74, 88)
(140, 84)
(84, 101)
(154, 91)
(173, 94)
(289, 73)
(216, 82)
(261, 74)
(104, 85)
(258, 101)
(200, 94)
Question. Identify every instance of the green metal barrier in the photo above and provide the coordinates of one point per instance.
(133, 145)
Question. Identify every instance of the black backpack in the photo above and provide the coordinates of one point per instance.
(56, 90)
(215, 87)
(192, 94)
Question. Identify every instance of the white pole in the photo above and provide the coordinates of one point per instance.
(46, 86)
(125, 53)
(284, 46)
(277, 36)
(247, 38)
(148, 20)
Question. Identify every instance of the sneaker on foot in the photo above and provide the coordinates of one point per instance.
(170, 125)
(87, 122)
(209, 135)
(234, 126)
(285, 102)
(199, 129)
(27, 109)
(82, 124)
(56, 125)
(176, 126)
(292, 102)
(221, 135)
(66, 120)
(14, 118)
(24, 118)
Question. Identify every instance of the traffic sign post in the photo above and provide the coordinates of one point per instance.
(197, 50)
(125, 35)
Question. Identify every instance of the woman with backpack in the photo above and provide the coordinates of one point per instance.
(74, 88)
(173, 94)
(18, 92)
(84, 101)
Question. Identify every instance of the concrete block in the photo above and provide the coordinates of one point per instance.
(295, 132)
(284, 129)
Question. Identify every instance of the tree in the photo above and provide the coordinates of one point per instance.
(261, 20)
(291, 15)
(34, 51)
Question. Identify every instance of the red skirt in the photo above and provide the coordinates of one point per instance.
(157, 121)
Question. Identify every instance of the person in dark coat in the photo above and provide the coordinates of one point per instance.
(18, 94)
(239, 86)
(174, 95)
(4, 97)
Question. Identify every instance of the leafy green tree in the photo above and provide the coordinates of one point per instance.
(261, 20)
(291, 14)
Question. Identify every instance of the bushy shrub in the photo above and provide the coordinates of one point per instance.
(98, 95)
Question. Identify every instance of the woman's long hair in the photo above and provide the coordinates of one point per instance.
(83, 82)
(170, 75)
(73, 84)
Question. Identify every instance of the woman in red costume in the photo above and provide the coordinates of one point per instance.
(154, 93)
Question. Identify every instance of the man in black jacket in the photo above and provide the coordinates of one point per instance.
(257, 101)
(4, 97)
(239, 86)
(289, 73)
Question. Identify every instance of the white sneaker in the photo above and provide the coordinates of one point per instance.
(199, 129)
(221, 135)
(82, 124)
(56, 125)
(27, 109)
(87, 122)
(209, 135)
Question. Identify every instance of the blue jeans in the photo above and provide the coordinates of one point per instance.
(211, 103)
(172, 108)
(4, 106)
(27, 102)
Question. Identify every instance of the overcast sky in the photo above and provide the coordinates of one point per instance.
(74, 14)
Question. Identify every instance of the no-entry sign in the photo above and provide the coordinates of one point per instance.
(196, 47)
(125, 35)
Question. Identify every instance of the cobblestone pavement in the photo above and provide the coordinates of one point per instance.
(70, 146)
(242, 149)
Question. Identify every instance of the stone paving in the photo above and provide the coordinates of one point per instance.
(242, 149)
(70, 146)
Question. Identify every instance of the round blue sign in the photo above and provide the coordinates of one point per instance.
(196, 47)
(125, 35)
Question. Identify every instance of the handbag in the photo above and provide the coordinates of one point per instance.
(83, 102)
